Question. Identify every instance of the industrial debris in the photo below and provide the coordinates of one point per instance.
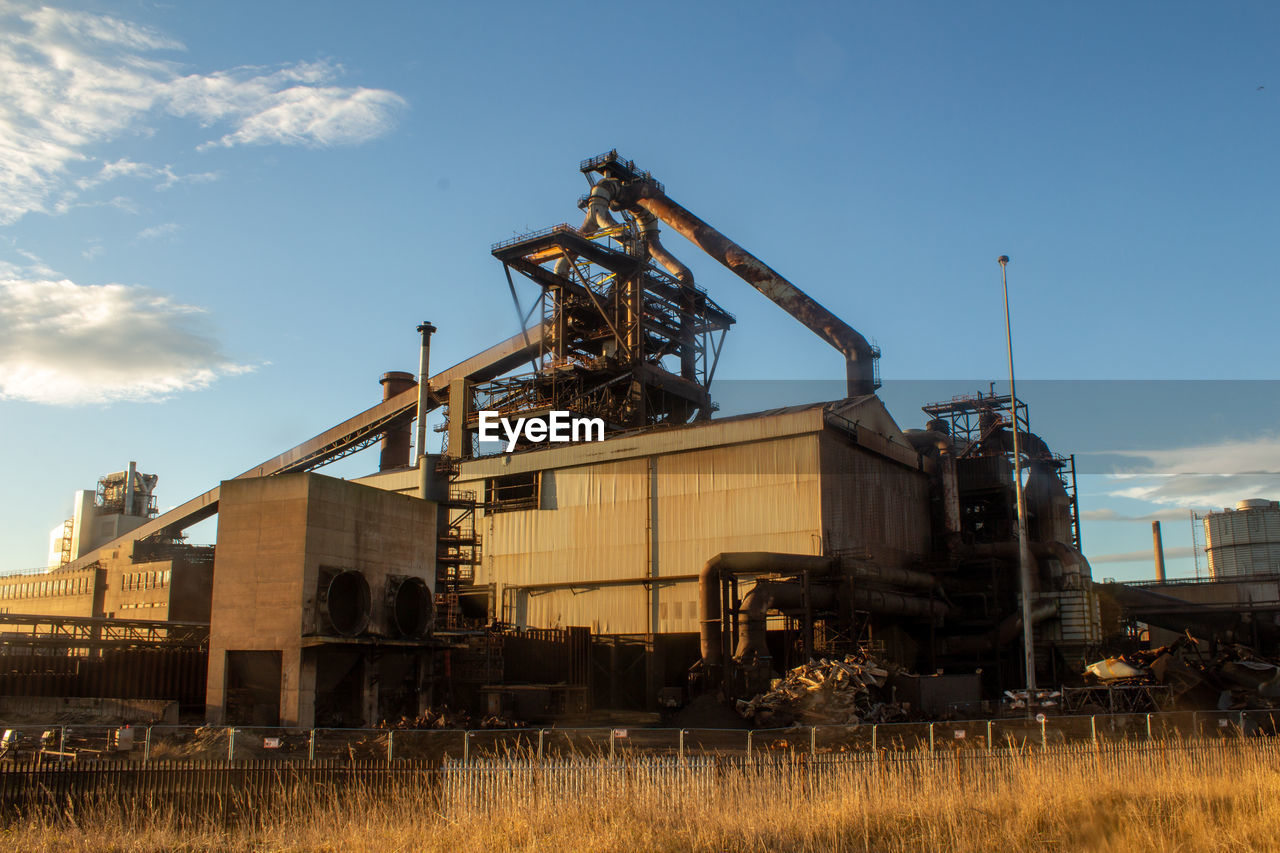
(831, 692)
(1230, 677)
(446, 718)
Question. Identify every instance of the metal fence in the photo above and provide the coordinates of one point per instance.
(62, 743)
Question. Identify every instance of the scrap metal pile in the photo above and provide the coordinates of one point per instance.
(827, 692)
(444, 718)
(1230, 677)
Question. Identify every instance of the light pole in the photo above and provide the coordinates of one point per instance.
(1025, 561)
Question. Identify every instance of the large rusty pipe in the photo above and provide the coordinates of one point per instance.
(734, 562)
(859, 355)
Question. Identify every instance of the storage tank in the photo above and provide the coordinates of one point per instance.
(1244, 540)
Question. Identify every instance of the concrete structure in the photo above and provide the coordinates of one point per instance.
(317, 619)
(1244, 540)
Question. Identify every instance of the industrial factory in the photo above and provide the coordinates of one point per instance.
(660, 555)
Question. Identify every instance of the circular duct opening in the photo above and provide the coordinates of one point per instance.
(347, 603)
(412, 608)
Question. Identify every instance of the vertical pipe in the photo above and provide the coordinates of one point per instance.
(231, 744)
(1024, 547)
(682, 744)
(128, 487)
(391, 745)
(1157, 543)
(1093, 729)
(749, 734)
(424, 381)
(931, 737)
(813, 740)
(311, 746)
(466, 748)
(146, 746)
(541, 732)
(990, 734)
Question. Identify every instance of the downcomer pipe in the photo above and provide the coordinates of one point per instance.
(859, 355)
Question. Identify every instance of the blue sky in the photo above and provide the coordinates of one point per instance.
(220, 222)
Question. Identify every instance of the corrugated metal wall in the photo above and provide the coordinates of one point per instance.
(769, 494)
(872, 504)
(595, 525)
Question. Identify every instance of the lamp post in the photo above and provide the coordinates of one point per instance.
(1025, 561)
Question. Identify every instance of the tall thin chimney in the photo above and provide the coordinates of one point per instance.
(1158, 543)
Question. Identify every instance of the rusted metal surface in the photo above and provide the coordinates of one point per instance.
(647, 195)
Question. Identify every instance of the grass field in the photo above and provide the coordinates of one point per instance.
(1161, 797)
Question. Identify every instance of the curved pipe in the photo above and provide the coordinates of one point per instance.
(772, 595)
(859, 354)
(733, 562)
(649, 231)
(597, 218)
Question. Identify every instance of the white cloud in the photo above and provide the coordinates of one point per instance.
(157, 231)
(67, 344)
(1141, 556)
(72, 81)
(1203, 476)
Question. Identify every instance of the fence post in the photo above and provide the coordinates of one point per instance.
(749, 734)
(1240, 722)
(990, 735)
(682, 744)
(813, 740)
(311, 746)
(931, 737)
(1149, 727)
(1044, 736)
(466, 747)
(62, 743)
(391, 745)
(541, 732)
(874, 731)
(1093, 728)
(231, 744)
(146, 746)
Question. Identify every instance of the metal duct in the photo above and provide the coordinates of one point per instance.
(772, 595)
(1002, 635)
(649, 232)
(859, 354)
(597, 218)
(890, 576)
(734, 562)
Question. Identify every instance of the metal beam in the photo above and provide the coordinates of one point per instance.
(333, 443)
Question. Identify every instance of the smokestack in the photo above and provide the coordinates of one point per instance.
(424, 380)
(1158, 543)
(395, 441)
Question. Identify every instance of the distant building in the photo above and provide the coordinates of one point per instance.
(122, 502)
(1245, 540)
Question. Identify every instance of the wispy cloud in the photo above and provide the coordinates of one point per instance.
(1209, 475)
(64, 343)
(1140, 556)
(74, 80)
(1111, 515)
(157, 231)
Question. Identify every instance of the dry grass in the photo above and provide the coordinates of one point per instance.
(1214, 797)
